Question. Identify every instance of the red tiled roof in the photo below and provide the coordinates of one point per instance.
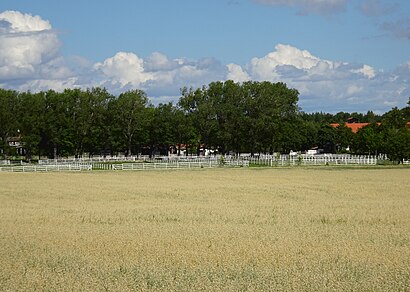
(356, 126)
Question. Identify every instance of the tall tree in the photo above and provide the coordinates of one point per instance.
(406, 111)
(31, 112)
(86, 109)
(327, 138)
(229, 111)
(200, 107)
(130, 118)
(344, 137)
(368, 140)
(9, 103)
(393, 119)
(184, 130)
(161, 133)
(57, 124)
(396, 144)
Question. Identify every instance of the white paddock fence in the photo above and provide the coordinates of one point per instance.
(286, 160)
(124, 166)
(119, 159)
(197, 162)
(170, 165)
(47, 168)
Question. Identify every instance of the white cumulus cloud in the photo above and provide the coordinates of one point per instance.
(30, 60)
(157, 74)
(29, 48)
(265, 67)
(160, 62)
(15, 21)
(331, 85)
(124, 68)
(236, 73)
(366, 70)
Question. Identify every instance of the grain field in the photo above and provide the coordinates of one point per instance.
(206, 230)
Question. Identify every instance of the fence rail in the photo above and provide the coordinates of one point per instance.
(174, 158)
(124, 166)
(196, 162)
(314, 160)
(170, 165)
(47, 168)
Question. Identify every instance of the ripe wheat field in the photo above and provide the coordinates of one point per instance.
(206, 230)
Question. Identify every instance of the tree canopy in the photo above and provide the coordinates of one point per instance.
(227, 117)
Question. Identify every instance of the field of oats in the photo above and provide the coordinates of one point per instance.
(209, 230)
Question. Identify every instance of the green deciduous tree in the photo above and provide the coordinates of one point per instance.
(231, 117)
(130, 118)
(368, 140)
(86, 113)
(201, 109)
(397, 144)
(31, 122)
(8, 118)
(344, 137)
(327, 138)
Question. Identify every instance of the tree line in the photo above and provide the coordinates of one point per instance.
(228, 117)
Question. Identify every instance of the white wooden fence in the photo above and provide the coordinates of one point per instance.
(170, 165)
(47, 168)
(140, 158)
(123, 166)
(195, 162)
(314, 160)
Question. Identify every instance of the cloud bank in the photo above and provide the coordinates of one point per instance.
(322, 7)
(399, 28)
(29, 52)
(30, 59)
(376, 8)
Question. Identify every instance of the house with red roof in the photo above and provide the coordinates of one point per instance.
(355, 126)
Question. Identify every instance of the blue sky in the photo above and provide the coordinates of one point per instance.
(342, 55)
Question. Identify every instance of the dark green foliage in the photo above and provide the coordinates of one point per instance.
(344, 137)
(228, 117)
(249, 117)
(397, 144)
(8, 123)
(368, 140)
(327, 138)
(130, 116)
